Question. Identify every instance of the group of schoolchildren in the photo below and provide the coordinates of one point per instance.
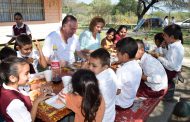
(97, 90)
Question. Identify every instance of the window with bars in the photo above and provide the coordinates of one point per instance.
(31, 10)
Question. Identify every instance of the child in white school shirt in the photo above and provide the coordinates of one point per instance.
(154, 80)
(26, 51)
(129, 74)
(172, 60)
(99, 63)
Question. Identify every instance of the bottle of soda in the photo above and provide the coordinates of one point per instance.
(55, 66)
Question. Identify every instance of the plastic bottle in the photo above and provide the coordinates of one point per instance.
(55, 66)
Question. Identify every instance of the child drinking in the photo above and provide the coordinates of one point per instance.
(86, 100)
(14, 105)
(108, 41)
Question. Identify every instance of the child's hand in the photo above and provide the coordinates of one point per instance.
(42, 97)
(30, 60)
(37, 44)
(85, 65)
(163, 44)
(61, 97)
(45, 89)
(154, 54)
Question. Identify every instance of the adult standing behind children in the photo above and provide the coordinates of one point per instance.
(129, 74)
(154, 80)
(90, 39)
(19, 28)
(65, 40)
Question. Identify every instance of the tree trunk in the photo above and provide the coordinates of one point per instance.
(145, 6)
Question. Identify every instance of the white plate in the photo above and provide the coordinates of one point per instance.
(52, 102)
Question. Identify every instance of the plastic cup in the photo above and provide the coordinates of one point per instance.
(66, 80)
(67, 83)
(48, 75)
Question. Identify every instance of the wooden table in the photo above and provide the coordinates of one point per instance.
(48, 113)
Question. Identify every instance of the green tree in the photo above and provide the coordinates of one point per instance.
(125, 6)
(101, 7)
(144, 5)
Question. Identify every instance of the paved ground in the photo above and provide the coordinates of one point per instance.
(163, 111)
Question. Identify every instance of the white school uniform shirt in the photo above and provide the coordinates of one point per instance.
(17, 110)
(174, 56)
(107, 84)
(65, 51)
(156, 75)
(129, 74)
(34, 54)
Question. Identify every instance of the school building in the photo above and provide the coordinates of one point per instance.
(42, 16)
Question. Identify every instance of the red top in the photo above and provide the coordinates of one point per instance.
(117, 38)
(6, 96)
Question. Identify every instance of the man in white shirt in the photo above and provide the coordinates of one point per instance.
(154, 79)
(65, 40)
(129, 74)
(99, 63)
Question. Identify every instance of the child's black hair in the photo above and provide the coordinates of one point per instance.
(140, 43)
(85, 83)
(112, 30)
(18, 14)
(103, 55)
(9, 66)
(127, 45)
(7, 52)
(175, 31)
(23, 40)
(159, 37)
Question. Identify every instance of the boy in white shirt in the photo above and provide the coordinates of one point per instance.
(99, 63)
(154, 79)
(129, 74)
(172, 60)
(25, 50)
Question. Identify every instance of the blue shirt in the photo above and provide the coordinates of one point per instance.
(87, 41)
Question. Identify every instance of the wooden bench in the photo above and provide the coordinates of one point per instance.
(139, 112)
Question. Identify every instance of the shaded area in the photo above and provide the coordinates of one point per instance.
(163, 111)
